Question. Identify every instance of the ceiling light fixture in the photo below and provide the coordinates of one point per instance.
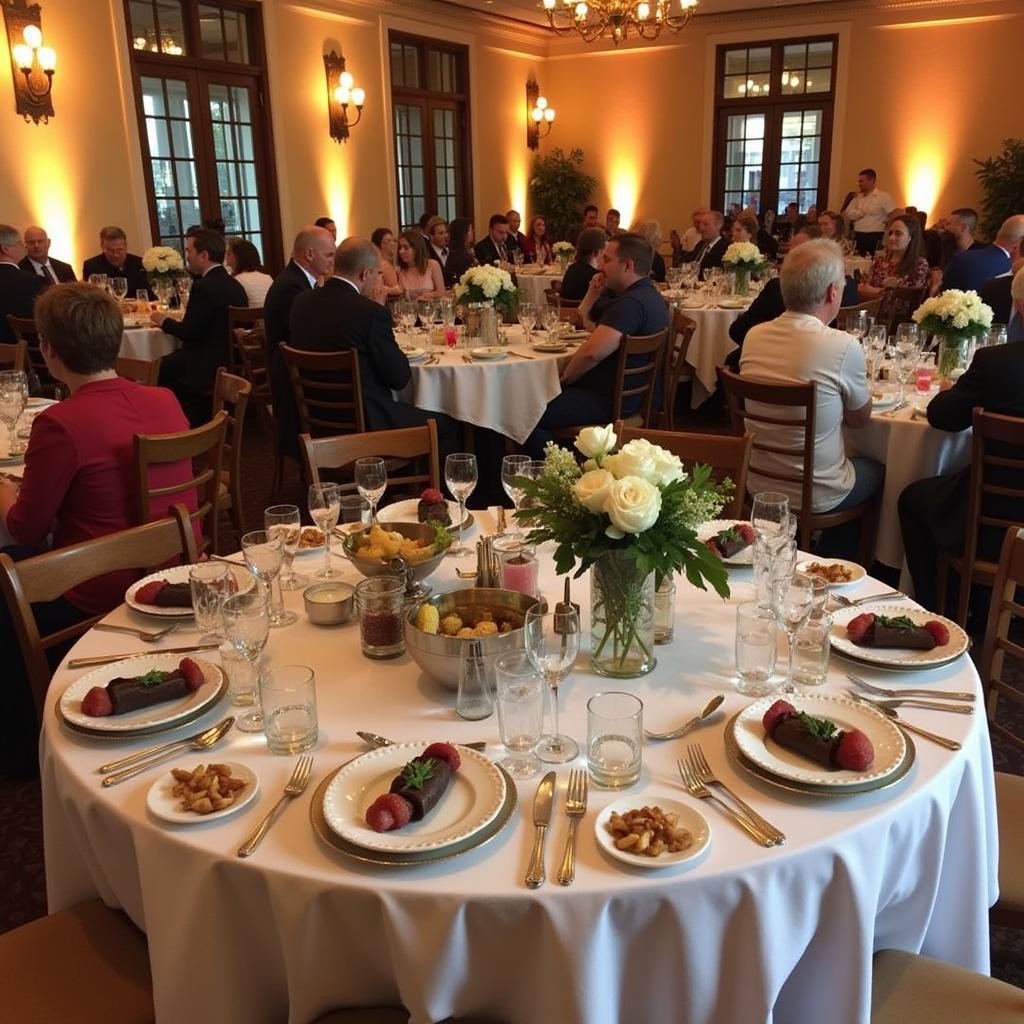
(617, 19)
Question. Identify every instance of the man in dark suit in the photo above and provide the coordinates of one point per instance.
(995, 292)
(494, 248)
(970, 268)
(203, 331)
(39, 262)
(116, 261)
(711, 247)
(436, 237)
(18, 288)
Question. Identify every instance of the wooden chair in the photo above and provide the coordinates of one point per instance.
(681, 335)
(231, 394)
(143, 371)
(246, 318)
(997, 451)
(13, 356)
(790, 407)
(328, 395)
(727, 455)
(203, 445)
(569, 313)
(24, 329)
(251, 347)
(871, 308)
(1005, 608)
(88, 964)
(48, 576)
(897, 305)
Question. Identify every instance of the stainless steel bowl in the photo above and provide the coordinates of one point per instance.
(440, 656)
(329, 603)
(379, 566)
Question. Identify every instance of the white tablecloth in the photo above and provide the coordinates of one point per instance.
(534, 285)
(147, 343)
(709, 347)
(746, 935)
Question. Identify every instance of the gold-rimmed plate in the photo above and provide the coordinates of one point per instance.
(407, 511)
(902, 658)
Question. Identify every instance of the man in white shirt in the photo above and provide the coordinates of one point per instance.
(38, 260)
(437, 240)
(868, 211)
(799, 345)
(690, 239)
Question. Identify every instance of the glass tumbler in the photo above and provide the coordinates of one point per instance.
(289, 709)
(210, 583)
(615, 739)
(756, 647)
(520, 712)
(379, 603)
(517, 566)
(665, 611)
(811, 651)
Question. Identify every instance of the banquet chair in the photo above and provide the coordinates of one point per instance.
(240, 318)
(1005, 611)
(328, 395)
(203, 445)
(871, 308)
(791, 406)
(727, 455)
(142, 371)
(13, 356)
(569, 313)
(231, 394)
(87, 964)
(50, 575)
(24, 329)
(997, 472)
(253, 356)
(681, 335)
(897, 305)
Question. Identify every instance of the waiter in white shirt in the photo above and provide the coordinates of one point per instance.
(37, 259)
(868, 211)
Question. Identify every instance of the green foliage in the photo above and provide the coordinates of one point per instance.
(1002, 178)
(559, 189)
(819, 728)
(416, 773)
(152, 678)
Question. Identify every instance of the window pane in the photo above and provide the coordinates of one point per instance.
(156, 133)
(243, 133)
(734, 87)
(397, 65)
(240, 101)
(736, 62)
(167, 217)
(794, 57)
(185, 171)
(759, 60)
(812, 122)
(818, 81)
(819, 55)
(411, 57)
(172, 27)
(189, 215)
(177, 99)
(163, 178)
(249, 179)
(181, 139)
(791, 124)
(230, 210)
(153, 97)
(143, 25)
(236, 36)
(755, 126)
(211, 35)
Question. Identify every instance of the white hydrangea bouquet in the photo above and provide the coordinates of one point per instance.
(632, 515)
(488, 284)
(161, 261)
(563, 252)
(744, 256)
(958, 319)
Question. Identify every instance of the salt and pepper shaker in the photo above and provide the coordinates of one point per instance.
(475, 699)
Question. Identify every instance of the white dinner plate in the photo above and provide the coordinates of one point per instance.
(898, 657)
(474, 797)
(576, 335)
(708, 530)
(887, 401)
(407, 512)
(488, 352)
(162, 802)
(38, 403)
(889, 743)
(179, 574)
(857, 572)
(413, 353)
(144, 718)
(732, 304)
(692, 304)
(689, 817)
(550, 346)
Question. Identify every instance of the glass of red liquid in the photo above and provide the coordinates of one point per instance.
(923, 378)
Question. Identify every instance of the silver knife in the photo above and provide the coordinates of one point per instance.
(543, 803)
(942, 741)
(381, 741)
(105, 659)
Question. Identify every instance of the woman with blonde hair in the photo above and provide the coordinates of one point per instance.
(650, 232)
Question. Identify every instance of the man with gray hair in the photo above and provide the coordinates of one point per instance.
(18, 288)
(799, 345)
(970, 268)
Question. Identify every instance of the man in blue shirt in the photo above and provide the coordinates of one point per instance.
(970, 268)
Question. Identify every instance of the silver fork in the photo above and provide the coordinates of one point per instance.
(702, 769)
(575, 808)
(882, 692)
(148, 637)
(916, 702)
(296, 785)
(696, 788)
(852, 602)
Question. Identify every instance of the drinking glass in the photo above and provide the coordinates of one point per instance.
(794, 600)
(183, 284)
(264, 555)
(289, 709)
(405, 314)
(517, 565)
(512, 468)
(520, 712)
(904, 364)
(527, 316)
(446, 311)
(355, 509)
(211, 583)
(163, 288)
(324, 506)
(286, 521)
(769, 513)
(475, 700)
(13, 399)
(856, 324)
(371, 475)
(141, 300)
(551, 321)
(460, 475)
(552, 642)
(119, 288)
(811, 651)
(247, 625)
(908, 332)
(996, 335)
(615, 739)
(99, 280)
(756, 644)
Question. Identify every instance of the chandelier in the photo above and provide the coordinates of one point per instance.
(618, 18)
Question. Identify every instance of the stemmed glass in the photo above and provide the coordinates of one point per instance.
(551, 321)
(905, 363)
(405, 314)
(460, 474)
(13, 399)
(513, 467)
(247, 625)
(99, 280)
(184, 286)
(552, 642)
(286, 521)
(793, 597)
(527, 317)
(770, 512)
(325, 507)
(264, 555)
(371, 481)
(119, 288)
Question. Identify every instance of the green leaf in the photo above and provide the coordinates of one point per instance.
(415, 773)
(819, 728)
(152, 678)
(900, 622)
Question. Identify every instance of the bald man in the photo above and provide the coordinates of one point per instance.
(38, 260)
(970, 268)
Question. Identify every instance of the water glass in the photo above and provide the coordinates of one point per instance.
(770, 511)
(615, 739)
(811, 651)
(354, 508)
(527, 317)
(371, 475)
(756, 644)
(119, 288)
(665, 611)
(520, 712)
(380, 601)
(286, 521)
(289, 709)
(211, 583)
(241, 676)
(141, 300)
(793, 598)
(264, 556)
(474, 700)
(513, 467)
(552, 642)
(247, 626)
(996, 335)
(819, 602)
(460, 475)
(324, 507)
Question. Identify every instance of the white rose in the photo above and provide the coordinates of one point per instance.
(667, 467)
(592, 489)
(634, 459)
(595, 442)
(633, 505)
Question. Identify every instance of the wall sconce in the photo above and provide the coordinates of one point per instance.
(341, 93)
(32, 64)
(539, 116)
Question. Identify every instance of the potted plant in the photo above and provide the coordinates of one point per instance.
(1002, 179)
(560, 188)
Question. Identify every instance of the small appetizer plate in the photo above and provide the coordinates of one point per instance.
(856, 572)
(489, 352)
(689, 818)
(898, 657)
(163, 804)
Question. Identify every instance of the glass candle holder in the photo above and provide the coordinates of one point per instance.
(379, 602)
(517, 566)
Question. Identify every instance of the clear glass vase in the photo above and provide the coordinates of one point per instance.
(955, 355)
(481, 321)
(621, 617)
(741, 283)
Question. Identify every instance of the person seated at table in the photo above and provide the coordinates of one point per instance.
(832, 225)
(588, 380)
(495, 248)
(79, 475)
(39, 261)
(387, 246)
(650, 232)
(799, 345)
(612, 220)
(690, 239)
(745, 228)
(933, 512)
(996, 291)
(203, 331)
(516, 239)
(711, 247)
(461, 255)
(968, 269)
(902, 265)
(327, 224)
(436, 240)
(419, 276)
(243, 260)
(535, 246)
(18, 287)
(589, 247)
(115, 260)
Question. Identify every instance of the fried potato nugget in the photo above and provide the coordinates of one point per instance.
(648, 832)
(206, 789)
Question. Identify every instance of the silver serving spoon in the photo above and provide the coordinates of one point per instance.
(710, 708)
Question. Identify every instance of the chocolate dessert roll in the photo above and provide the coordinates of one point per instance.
(730, 543)
(131, 694)
(174, 595)
(918, 638)
(793, 734)
(436, 511)
(422, 782)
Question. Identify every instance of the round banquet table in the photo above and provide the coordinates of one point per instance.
(534, 285)
(709, 346)
(744, 935)
(147, 343)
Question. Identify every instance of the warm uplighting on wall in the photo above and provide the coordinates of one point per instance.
(924, 177)
(341, 94)
(539, 115)
(32, 64)
(624, 188)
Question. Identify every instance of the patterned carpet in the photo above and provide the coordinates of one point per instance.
(22, 878)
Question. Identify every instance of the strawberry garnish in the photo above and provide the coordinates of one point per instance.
(444, 752)
(939, 632)
(431, 496)
(779, 710)
(148, 593)
(192, 672)
(861, 629)
(96, 703)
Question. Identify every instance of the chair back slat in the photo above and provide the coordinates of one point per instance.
(14, 356)
(142, 371)
(244, 318)
(231, 395)
(328, 393)
(639, 379)
(682, 332)
(24, 329)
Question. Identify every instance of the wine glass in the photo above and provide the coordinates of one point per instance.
(460, 474)
(793, 598)
(551, 321)
(119, 288)
(371, 481)
(527, 317)
(99, 280)
(246, 620)
(264, 556)
(405, 314)
(856, 324)
(184, 287)
(905, 363)
(908, 332)
(11, 404)
(286, 521)
(552, 642)
(512, 468)
(325, 506)
(770, 512)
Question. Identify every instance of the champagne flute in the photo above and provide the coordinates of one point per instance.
(264, 555)
(325, 506)
(552, 642)
(371, 481)
(512, 468)
(247, 625)
(904, 364)
(460, 474)
(11, 404)
(286, 521)
(794, 601)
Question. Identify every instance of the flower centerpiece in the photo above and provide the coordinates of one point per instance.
(958, 319)
(743, 259)
(563, 252)
(162, 263)
(480, 291)
(632, 516)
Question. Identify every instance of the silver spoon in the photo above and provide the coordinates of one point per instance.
(710, 708)
(203, 741)
(148, 637)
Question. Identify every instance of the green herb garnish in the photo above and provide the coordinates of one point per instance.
(729, 534)
(415, 773)
(152, 677)
(819, 728)
(896, 622)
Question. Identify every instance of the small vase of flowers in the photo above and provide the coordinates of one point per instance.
(958, 319)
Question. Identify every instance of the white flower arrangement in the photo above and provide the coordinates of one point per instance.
(563, 250)
(162, 260)
(487, 284)
(954, 313)
(743, 256)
